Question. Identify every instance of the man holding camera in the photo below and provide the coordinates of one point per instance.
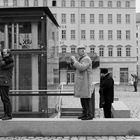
(83, 81)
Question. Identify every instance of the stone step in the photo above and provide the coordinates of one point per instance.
(69, 127)
(69, 112)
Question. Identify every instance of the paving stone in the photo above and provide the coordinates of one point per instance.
(82, 138)
(112, 138)
(66, 138)
(105, 137)
(74, 138)
(120, 138)
(91, 138)
(137, 137)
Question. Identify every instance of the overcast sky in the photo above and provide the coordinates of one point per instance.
(137, 5)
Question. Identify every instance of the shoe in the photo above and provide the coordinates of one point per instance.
(7, 118)
(87, 118)
(80, 117)
(2, 116)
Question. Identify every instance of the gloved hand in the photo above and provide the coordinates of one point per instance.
(73, 59)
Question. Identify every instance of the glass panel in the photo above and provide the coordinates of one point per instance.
(25, 81)
(72, 77)
(2, 36)
(32, 71)
(25, 36)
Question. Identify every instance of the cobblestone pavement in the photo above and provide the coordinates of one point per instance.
(74, 138)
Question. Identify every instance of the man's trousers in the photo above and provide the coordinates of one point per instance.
(4, 93)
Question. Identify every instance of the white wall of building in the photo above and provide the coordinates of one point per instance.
(114, 62)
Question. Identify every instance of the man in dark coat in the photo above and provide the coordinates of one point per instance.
(6, 69)
(106, 92)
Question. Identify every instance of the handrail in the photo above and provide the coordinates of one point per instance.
(47, 92)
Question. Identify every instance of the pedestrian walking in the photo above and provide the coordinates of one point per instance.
(135, 81)
(6, 69)
(106, 92)
(83, 81)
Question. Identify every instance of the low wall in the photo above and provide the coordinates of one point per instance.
(69, 127)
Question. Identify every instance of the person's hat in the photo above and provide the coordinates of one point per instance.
(104, 70)
(82, 46)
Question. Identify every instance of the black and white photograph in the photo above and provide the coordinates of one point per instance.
(69, 69)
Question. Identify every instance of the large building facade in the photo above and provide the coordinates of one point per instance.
(106, 27)
(138, 42)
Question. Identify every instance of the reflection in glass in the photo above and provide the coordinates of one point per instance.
(25, 36)
(1, 36)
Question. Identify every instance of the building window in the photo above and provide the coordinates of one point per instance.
(91, 18)
(82, 3)
(53, 35)
(109, 3)
(35, 2)
(14, 2)
(44, 2)
(91, 3)
(137, 42)
(63, 4)
(100, 3)
(26, 2)
(5, 2)
(127, 18)
(109, 18)
(118, 18)
(63, 18)
(101, 51)
(63, 50)
(119, 35)
(92, 50)
(127, 4)
(72, 3)
(83, 20)
(127, 34)
(110, 34)
(101, 34)
(124, 75)
(118, 4)
(72, 50)
(83, 34)
(72, 19)
(54, 3)
(137, 35)
(92, 34)
(56, 76)
(119, 51)
(72, 34)
(64, 34)
(128, 51)
(110, 51)
(101, 20)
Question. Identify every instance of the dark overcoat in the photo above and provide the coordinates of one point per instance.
(106, 90)
(6, 69)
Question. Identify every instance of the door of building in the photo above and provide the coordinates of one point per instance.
(70, 77)
(123, 75)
